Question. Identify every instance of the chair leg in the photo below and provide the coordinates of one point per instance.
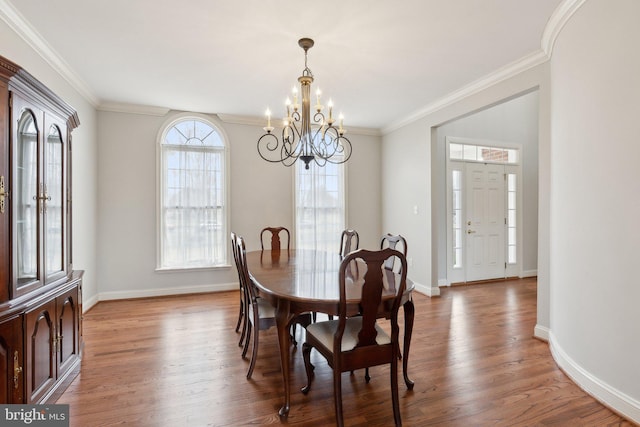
(244, 332)
(292, 332)
(244, 325)
(367, 378)
(254, 352)
(394, 392)
(240, 315)
(337, 396)
(248, 328)
(308, 367)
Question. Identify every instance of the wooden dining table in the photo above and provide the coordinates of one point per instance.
(299, 281)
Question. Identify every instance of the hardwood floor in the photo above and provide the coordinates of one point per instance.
(175, 361)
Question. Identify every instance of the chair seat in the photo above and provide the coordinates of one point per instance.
(265, 308)
(323, 332)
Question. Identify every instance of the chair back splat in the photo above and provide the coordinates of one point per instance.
(349, 241)
(392, 241)
(276, 243)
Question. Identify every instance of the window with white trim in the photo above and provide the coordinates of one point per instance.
(456, 209)
(192, 205)
(479, 153)
(320, 206)
(512, 230)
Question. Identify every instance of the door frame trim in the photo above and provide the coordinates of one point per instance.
(458, 275)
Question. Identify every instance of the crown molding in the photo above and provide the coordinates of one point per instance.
(241, 120)
(536, 58)
(260, 121)
(556, 22)
(16, 21)
(147, 110)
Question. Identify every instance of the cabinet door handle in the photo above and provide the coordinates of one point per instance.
(17, 370)
(43, 197)
(3, 194)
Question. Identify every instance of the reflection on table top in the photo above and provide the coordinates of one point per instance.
(309, 275)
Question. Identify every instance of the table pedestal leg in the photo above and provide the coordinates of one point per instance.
(409, 313)
(283, 318)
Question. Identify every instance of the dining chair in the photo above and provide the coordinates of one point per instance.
(260, 314)
(392, 241)
(276, 243)
(242, 312)
(349, 241)
(357, 342)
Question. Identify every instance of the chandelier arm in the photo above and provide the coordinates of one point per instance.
(320, 161)
(269, 143)
(329, 141)
(339, 145)
(344, 148)
(288, 153)
(318, 117)
(295, 129)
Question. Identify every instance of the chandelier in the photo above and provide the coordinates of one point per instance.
(305, 137)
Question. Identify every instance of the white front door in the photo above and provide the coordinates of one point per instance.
(485, 221)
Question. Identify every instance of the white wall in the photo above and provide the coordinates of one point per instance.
(406, 191)
(261, 195)
(410, 160)
(511, 122)
(84, 158)
(595, 201)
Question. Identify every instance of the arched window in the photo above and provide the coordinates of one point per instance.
(192, 202)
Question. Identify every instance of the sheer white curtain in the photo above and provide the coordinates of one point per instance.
(320, 206)
(193, 231)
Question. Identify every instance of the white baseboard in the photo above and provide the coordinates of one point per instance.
(427, 290)
(87, 304)
(443, 282)
(530, 273)
(146, 293)
(616, 400)
(541, 332)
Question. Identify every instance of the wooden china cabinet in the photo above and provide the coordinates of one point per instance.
(40, 293)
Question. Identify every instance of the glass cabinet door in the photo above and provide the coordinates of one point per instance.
(54, 202)
(26, 201)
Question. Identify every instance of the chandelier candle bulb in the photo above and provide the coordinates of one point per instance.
(330, 105)
(295, 98)
(268, 128)
(318, 105)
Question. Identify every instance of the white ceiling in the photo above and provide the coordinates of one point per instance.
(379, 60)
